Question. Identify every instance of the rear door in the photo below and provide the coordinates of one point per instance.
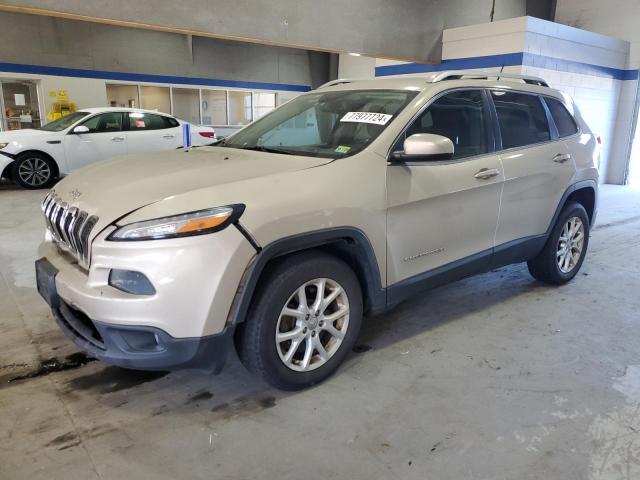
(150, 132)
(105, 139)
(440, 212)
(537, 165)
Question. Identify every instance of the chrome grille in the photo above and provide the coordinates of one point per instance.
(69, 226)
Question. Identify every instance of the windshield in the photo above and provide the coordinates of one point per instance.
(329, 124)
(64, 122)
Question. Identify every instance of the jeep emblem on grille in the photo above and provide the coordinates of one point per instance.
(75, 193)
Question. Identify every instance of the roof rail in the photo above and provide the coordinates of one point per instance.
(460, 74)
(339, 81)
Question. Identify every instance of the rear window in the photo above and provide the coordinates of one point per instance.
(522, 119)
(150, 121)
(565, 123)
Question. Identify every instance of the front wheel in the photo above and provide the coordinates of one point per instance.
(33, 170)
(565, 249)
(304, 320)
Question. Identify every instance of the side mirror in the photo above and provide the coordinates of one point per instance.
(424, 147)
(81, 129)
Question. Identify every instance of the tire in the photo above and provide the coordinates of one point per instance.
(546, 267)
(34, 170)
(256, 341)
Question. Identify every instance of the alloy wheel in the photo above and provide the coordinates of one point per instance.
(34, 171)
(312, 324)
(570, 244)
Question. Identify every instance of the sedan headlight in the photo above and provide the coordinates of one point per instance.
(188, 224)
(4, 144)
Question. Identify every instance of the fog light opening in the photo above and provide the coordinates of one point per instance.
(128, 281)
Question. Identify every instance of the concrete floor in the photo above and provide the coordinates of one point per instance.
(494, 377)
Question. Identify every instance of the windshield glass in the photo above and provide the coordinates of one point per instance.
(64, 122)
(329, 124)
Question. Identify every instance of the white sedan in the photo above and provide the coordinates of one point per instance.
(35, 158)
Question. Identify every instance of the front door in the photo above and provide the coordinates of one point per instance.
(440, 212)
(104, 140)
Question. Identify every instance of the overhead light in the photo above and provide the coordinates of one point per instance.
(353, 54)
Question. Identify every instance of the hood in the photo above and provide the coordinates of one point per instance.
(117, 187)
(29, 137)
(18, 135)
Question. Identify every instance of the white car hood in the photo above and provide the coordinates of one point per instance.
(28, 136)
(115, 188)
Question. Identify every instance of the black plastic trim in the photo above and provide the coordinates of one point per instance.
(254, 243)
(553, 128)
(401, 157)
(573, 188)
(439, 276)
(166, 353)
(363, 250)
(10, 155)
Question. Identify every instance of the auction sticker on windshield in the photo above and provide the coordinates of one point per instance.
(367, 117)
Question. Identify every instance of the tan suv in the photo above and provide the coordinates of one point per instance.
(342, 202)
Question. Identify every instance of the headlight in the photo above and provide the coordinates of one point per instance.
(193, 223)
(2, 145)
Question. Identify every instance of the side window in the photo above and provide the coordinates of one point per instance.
(522, 119)
(150, 121)
(564, 121)
(105, 122)
(459, 116)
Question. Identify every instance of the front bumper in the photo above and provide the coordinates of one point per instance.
(6, 159)
(134, 347)
(195, 278)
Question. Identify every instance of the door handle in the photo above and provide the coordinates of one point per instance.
(117, 139)
(486, 173)
(168, 136)
(561, 157)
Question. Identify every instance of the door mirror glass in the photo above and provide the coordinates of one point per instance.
(81, 129)
(424, 147)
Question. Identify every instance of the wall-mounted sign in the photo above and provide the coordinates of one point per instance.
(19, 99)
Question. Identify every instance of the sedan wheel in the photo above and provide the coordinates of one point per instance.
(33, 171)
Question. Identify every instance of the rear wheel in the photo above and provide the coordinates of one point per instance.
(34, 170)
(564, 252)
(303, 322)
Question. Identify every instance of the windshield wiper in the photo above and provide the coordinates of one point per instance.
(260, 148)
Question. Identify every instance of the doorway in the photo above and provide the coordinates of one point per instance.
(20, 108)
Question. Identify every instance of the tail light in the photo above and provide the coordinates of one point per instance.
(207, 134)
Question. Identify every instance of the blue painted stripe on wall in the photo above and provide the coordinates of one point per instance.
(140, 77)
(571, 66)
(510, 59)
(488, 61)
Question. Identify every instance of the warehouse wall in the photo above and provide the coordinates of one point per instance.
(398, 29)
(618, 18)
(75, 44)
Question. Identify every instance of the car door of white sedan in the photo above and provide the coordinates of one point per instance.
(104, 140)
(149, 132)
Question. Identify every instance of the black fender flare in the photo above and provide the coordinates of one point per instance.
(563, 201)
(351, 240)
